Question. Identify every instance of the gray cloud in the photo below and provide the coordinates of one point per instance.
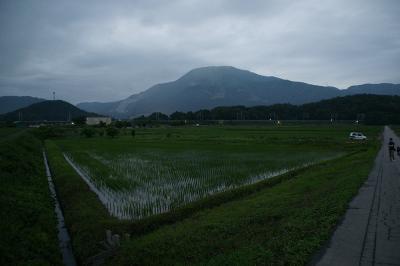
(108, 50)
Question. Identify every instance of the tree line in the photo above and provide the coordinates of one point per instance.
(365, 108)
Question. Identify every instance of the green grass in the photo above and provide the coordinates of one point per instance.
(166, 168)
(9, 134)
(145, 182)
(7, 131)
(87, 219)
(28, 222)
(281, 225)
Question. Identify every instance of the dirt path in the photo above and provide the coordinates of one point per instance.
(370, 231)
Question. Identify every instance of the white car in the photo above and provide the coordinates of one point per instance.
(357, 136)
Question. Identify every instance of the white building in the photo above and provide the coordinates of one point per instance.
(96, 120)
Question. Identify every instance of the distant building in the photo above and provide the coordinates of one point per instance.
(96, 120)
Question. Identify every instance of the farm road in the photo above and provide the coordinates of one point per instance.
(370, 231)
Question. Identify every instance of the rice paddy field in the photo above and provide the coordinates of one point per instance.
(209, 195)
(161, 169)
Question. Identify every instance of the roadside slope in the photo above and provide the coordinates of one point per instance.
(28, 223)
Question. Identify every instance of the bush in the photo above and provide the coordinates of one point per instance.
(112, 132)
(133, 133)
(122, 124)
(48, 132)
(85, 216)
(88, 132)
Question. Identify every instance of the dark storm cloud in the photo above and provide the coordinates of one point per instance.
(108, 50)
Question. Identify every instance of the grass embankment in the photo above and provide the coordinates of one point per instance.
(8, 132)
(281, 225)
(85, 216)
(27, 223)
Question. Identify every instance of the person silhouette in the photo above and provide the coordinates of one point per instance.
(391, 149)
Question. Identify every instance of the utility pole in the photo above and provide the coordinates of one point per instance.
(54, 95)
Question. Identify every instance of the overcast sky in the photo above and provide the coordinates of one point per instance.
(108, 50)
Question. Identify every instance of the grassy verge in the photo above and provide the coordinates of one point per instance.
(27, 223)
(281, 225)
(85, 216)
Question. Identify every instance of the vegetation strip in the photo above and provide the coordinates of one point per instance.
(282, 225)
(28, 223)
(85, 178)
(85, 217)
(63, 236)
(365, 108)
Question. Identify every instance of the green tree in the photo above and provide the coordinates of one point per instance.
(88, 132)
(119, 124)
(112, 131)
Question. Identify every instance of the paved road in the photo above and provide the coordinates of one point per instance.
(370, 231)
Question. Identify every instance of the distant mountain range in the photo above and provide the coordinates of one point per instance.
(208, 87)
(12, 103)
(46, 110)
(368, 108)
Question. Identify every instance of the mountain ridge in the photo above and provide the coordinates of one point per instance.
(56, 110)
(11, 103)
(212, 86)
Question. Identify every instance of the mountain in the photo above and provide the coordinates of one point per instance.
(46, 110)
(208, 87)
(108, 108)
(379, 89)
(12, 103)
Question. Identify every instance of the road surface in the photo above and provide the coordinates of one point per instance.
(370, 231)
